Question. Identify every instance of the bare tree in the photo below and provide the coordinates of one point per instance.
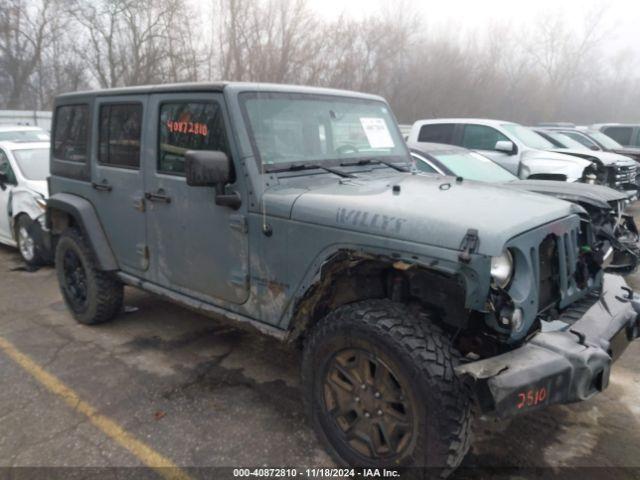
(25, 30)
(548, 72)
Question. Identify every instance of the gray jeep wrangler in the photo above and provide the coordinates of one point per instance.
(293, 210)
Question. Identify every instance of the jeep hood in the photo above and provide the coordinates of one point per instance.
(429, 210)
(595, 195)
(546, 162)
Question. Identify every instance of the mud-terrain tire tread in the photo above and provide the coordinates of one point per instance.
(423, 344)
(107, 299)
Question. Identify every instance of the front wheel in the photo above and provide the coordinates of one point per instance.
(381, 392)
(29, 242)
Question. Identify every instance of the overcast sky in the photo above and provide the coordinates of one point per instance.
(623, 16)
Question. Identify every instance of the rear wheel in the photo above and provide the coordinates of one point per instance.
(381, 392)
(92, 295)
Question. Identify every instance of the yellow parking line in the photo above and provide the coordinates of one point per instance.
(143, 452)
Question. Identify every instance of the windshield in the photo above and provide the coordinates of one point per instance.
(527, 136)
(33, 163)
(473, 166)
(24, 136)
(566, 142)
(292, 128)
(605, 140)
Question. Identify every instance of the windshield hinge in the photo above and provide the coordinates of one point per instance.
(469, 245)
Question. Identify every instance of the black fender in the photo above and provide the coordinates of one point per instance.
(86, 218)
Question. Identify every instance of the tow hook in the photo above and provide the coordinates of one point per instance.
(632, 297)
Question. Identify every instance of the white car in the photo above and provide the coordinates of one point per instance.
(21, 133)
(524, 152)
(24, 168)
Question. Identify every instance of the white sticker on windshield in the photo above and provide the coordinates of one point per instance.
(377, 132)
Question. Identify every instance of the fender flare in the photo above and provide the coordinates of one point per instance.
(86, 218)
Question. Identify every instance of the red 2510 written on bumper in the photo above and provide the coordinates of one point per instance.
(566, 365)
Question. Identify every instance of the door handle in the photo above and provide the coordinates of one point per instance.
(102, 187)
(159, 196)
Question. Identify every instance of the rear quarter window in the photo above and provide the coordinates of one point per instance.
(437, 133)
(71, 132)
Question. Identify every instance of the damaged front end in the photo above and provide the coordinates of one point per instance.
(620, 231)
(568, 360)
(557, 323)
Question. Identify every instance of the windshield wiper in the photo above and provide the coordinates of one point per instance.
(372, 161)
(294, 167)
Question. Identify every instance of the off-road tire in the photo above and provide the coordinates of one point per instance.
(104, 292)
(419, 347)
(38, 257)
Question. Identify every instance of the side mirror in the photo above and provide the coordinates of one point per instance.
(505, 146)
(4, 179)
(204, 168)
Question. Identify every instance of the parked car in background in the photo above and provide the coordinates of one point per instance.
(516, 148)
(623, 176)
(24, 168)
(19, 133)
(35, 118)
(597, 141)
(627, 135)
(604, 205)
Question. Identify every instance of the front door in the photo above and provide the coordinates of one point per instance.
(196, 246)
(5, 196)
(484, 139)
(118, 181)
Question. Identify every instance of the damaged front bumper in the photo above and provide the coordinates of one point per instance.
(568, 361)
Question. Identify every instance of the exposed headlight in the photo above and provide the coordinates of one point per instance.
(502, 269)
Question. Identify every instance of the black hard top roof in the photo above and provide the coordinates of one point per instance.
(215, 87)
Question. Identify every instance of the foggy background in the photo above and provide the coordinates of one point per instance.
(523, 61)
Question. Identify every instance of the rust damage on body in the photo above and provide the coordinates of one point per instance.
(349, 276)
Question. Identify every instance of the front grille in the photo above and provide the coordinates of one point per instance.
(549, 268)
(621, 175)
(557, 265)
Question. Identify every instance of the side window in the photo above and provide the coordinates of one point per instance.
(71, 133)
(622, 135)
(481, 137)
(578, 137)
(422, 165)
(5, 167)
(119, 135)
(437, 133)
(189, 126)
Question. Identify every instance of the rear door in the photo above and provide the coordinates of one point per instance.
(117, 178)
(197, 247)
